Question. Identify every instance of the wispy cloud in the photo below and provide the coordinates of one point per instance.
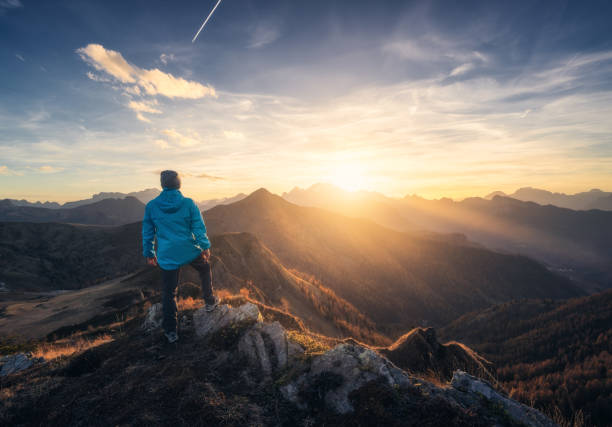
(263, 34)
(49, 169)
(165, 58)
(144, 107)
(205, 176)
(96, 77)
(9, 4)
(462, 69)
(181, 139)
(6, 171)
(21, 58)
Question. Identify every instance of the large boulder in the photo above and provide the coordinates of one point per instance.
(207, 323)
(470, 389)
(266, 347)
(345, 368)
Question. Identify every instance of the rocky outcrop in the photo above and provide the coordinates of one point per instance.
(267, 348)
(334, 379)
(420, 352)
(206, 323)
(468, 389)
(348, 366)
(17, 362)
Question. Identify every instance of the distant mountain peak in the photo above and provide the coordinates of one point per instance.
(494, 194)
(261, 193)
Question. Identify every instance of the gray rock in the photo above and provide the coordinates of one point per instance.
(356, 365)
(206, 323)
(252, 346)
(266, 347)
(154, 318)
(15, 363)
(473, 386)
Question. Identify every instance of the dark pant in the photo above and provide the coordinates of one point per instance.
(170, 282)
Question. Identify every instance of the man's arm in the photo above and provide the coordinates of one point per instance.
(198, 228)
(148, 237)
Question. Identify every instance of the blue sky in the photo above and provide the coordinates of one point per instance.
(440, 98)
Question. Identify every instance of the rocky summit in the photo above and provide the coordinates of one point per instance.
(235, 366)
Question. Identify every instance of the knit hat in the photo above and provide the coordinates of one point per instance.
(170, 180)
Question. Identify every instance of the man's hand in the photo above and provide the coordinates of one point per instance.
(206, 255)
(152, 261)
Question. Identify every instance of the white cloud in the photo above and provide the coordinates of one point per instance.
(165, 58)
(109, 61)
(144, 107)
(21, 58)
(96, 77)
(462, 69)
(133, 90)
(142, 118)
(154, 81)
(182, 140)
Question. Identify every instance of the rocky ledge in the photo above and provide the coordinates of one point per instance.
(334, 379)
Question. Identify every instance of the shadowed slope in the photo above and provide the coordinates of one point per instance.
(36, 256)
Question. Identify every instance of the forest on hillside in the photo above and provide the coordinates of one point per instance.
(553, 355)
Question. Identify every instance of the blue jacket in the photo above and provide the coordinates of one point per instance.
(177, 223)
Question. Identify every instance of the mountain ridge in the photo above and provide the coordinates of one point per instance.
(369, 258)
(104, 212)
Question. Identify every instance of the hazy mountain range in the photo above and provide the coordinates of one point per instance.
(416, 278)
(211, 203)
(144, 196)
(574, 243)
(593, 199)
(104, 212)
(577, 244)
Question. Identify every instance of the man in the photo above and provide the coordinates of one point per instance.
(177, 224)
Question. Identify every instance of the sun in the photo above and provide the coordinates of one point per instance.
(348, 177)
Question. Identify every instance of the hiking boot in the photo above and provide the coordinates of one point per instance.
(172, 337)
(211, 307)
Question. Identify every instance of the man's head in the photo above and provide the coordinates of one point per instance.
(170, 180)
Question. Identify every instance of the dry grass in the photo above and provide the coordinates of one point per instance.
(69, 347)
(309, 341)
(189, 303)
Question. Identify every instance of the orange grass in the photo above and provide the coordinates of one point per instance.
(54, 350)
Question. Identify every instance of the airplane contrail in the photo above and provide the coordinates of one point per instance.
(205, 21)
